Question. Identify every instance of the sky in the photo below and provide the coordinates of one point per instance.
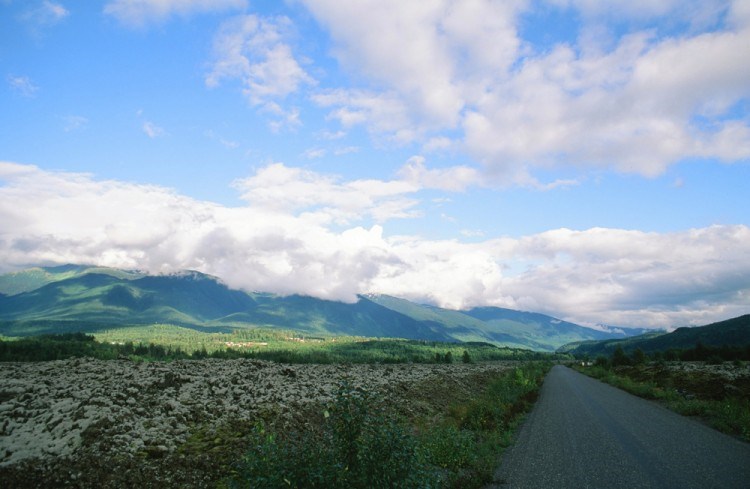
(585, 159)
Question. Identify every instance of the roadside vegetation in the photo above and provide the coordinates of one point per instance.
(694, 382)
(167, 342)
(359, 441)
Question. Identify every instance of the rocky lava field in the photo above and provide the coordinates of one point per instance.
(91, 423)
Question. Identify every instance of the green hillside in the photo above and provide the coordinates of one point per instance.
(537, 330)
(77, 298)
(31, 279)
(732, 332)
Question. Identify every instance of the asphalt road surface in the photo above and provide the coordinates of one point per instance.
(583, 433)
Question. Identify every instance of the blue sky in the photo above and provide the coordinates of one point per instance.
(584, 159)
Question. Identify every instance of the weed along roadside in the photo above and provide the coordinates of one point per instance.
(717, 393)
(361, 441)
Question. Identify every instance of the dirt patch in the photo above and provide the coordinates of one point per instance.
(90, 423)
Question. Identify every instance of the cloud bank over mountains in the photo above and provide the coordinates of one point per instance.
(300, 232)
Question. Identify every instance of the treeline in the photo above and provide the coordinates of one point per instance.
(76, 345)
(700, 352)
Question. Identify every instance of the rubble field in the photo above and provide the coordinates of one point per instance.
(92, 423)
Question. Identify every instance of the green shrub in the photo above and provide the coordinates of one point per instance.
(358, 444)
(448, 447)
(601, 361)
(358, 447)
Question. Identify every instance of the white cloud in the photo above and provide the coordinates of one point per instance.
(472, 233)
(346, 150)
(314, 153)
(252, 49)
(276, 244)
(152, 130)
(383, 113)
(282, 117)
(427, 52)
(632, 277)
(294, 190)
(332, 136)
(636, 103)
(45, 15)
(22, 85)
(621, 110)
(140, 12)
(439, 143)
(454, 179)
(52, 12)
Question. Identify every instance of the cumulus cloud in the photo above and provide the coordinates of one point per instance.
(297, 191)
(275, 243)
(140, 12)
(455, 179)
(383, 113)
(631, 277)
(253, 49)
(637, 102)
(419, 49)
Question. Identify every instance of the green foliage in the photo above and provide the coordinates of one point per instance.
(54, 347)
(619, 357)
(449, 447)
(476, 429)
(273, 461)
(601, 361)
(358, 443)
(359, 446)
(505, 397)
(638, 357)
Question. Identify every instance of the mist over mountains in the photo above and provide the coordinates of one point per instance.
(82, 298)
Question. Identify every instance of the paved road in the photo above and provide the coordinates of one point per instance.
(585, 434)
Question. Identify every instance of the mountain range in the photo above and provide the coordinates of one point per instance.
(733, 332)
(83, 298)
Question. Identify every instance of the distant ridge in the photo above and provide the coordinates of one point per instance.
(733, 332)
(81, 298)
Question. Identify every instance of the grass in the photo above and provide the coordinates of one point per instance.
(358, 441)
(726, 412)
